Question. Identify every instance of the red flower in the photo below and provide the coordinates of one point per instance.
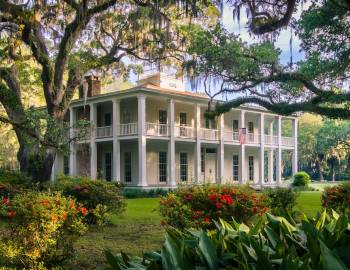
(218, 205)
(227, 199)
(188, 197)
(212, 197)
(255, 210)
(206, 220)
(84, 211)
(162, 223)
(6, 201)
(11, 214)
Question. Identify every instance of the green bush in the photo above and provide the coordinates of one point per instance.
(200, 206)
(270, 243)
(41, 229)
(301, 179)
(100, 197)
(12, 182)
(281, 200)
(140, 193)
(337, 197)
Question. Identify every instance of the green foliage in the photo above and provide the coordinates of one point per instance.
(301, 179)
(41, 229)
(281, 200)
(200, 206)
(337, 197)
(100, 197)
(140, 193)
(13, 182)
(271, 242)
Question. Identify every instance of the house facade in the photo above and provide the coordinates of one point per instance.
(156, 135)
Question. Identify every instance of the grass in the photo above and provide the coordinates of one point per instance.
(139, 230)
(136, 231)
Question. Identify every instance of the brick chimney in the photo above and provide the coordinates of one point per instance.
(92, 85)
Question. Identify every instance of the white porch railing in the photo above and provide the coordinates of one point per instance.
(128, 129)
(231, 136)
(155, 129)
(104, 132)
(252, 138)
(287, 141)
(209, 134)
(183, 131)
(271, 140)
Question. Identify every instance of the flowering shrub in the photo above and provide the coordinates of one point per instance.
(199, 206)
(98, 196)
(281, 200)
(42, 228)
(337, 197)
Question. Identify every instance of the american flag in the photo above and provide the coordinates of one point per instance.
(242, 135)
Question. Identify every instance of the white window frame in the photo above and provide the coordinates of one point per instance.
(235, 167)
(251, 168)
(183, 177)
(162, 167)
(127, 178)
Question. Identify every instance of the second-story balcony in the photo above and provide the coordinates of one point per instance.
(129, 129)
(104, 132)
(209, 134)
(183, 131)
(156, 129)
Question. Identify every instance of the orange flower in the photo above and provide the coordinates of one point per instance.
(11, 214)
(64, 215)
(162, 223)
(45, 202)
(84, 211)
(71, 204)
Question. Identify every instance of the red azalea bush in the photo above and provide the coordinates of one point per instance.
(337, 197)
(100, 197)
(199, 206)
(40, 229)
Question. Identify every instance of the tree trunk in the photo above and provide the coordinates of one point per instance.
(320, 170)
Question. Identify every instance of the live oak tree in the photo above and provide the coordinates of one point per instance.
(64, 41)
(254, 74)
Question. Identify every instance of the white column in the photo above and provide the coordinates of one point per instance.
(197, 154)
(141, 100)
(116, 143)
(93, 145)
(270, 155)
(295, 150)
(279, 151)
(221, 152)
(72, 146)
(171, 144)
(262, 150)
(242, 161)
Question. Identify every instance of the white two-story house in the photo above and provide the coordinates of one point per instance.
(156, 135)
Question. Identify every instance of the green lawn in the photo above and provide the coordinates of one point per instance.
(139, 230)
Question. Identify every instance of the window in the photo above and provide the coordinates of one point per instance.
(183, 122)
(251, 168)
(162, 117)
(162, 163)
(183, 119)
(108, 166)
(235, 164)
(235, 125)
(108, 119)
(202, 160)
(250, 127)
(183, 166)
(127, 167)
(66, 165)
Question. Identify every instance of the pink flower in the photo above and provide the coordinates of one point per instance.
(6, 201)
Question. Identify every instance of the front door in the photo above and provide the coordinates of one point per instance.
(210, 166)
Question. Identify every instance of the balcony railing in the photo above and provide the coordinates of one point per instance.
(104, 132)
(183, 131)
(271, 140)
(209, 134)
(287, 141)
(231, 136)
(252, 138)
(155, 129)
(128, 129)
